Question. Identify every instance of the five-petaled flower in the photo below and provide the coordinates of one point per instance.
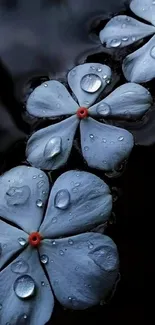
(122, 31)
(103, 146)
(82, 266)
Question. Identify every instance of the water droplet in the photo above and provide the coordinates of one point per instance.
(75, 190)
(90, 245)
(40, 184)
(152, 52)
(53, 242)
(108, 81)
(120, 138)
(70, 298)
(70, 242)
(1, 307)
(53, 147)
(77, 184)
(22, 241)
(99, 69)
(104, 140)
(41, 176)
(105, 76)
(42, 283)
(73, 72)
(25, 316)
(62, 199)
(44, 259)
(20, 267)
(45, 85)
(54, 220)
(123, 25)
(91, 136)
(17, 195)
(86, 148)
(103, 109)
(128, 18)
(35, 176)
(133, 38)
(125, 39)
(115, 43)
(91, 83)
(39, 203)
(153, 2)
(4, 246)
(61, 252)
(24, 287)
(92, 67)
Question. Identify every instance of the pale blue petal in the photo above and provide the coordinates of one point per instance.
(121, 31)
(51, 99)
(82, 269)
(49, 148)
(76, 75)
(144, 9)
(128, 101)
(140, 66)
(10, 241)
(21, 189)
(35, 310)
(86, 202)
(104, 146)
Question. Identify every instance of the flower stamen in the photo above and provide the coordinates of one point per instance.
(82, 112)
(35, 239)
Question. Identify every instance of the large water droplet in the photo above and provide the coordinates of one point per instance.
(103, 109)
(44, 259)
(152, 52)
(22, 241)
(53, 147)
(39, 203)
(24, 287)
(17, 195)
(115, 43)
(62, 199)
(91, 83)
(19, 267)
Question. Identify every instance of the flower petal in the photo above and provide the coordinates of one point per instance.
(87, 81)
(78, 201)
(82, 269)
(24, 191)
(10, 239)
(104, 146)
(127, 101)
(144, 9)
(51, 99)
(16, 285)
(49, 148)
(121, 31)
(140, 65)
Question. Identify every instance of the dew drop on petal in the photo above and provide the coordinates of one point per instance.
(24, 287)
(61, 252)
(40, 184)
(62, 199)
(54, 220)
(45, 85)
(115, 43)
(90, 245)
(17, 195)
(70, 242)
(19, 267)
(44, 259)
(91, 83)
(39, 203)
(103, 109)
(22, 241)
(53, 147)
(42, 283)
(152, 52)
(53, 242)
(86, 148)
(120, 138)
(125, 39)
(25, 316)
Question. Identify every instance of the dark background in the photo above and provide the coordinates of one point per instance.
(42, 39)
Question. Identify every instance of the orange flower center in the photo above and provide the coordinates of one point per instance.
(82, 112)
(35, 239)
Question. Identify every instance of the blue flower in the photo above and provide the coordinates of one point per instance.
(82, 266)
(122, 31)
(103, 146)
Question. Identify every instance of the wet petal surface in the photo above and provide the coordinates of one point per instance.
(24, 192)
(104, 146)
(25, 294)
(82, 269)
(140, 65)
(129, 101)
(78, 201)
(87, 81)
(12, 240)
(144, 9)
(49, 148)
(51, 99)
(121, 31)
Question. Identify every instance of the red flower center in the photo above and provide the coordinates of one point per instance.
(35, 239)
(82, 112)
